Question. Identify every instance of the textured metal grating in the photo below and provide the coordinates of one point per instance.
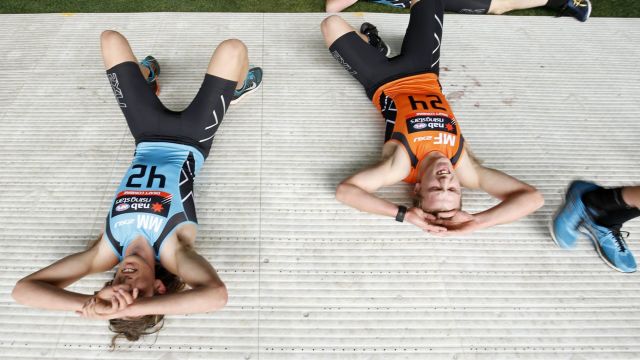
(544, 99)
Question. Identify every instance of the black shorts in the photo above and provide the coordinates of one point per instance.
(150, 120)
(467, 6)
(420, 50)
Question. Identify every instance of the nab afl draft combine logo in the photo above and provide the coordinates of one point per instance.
(122, 207)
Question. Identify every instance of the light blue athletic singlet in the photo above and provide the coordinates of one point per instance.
(155, 195)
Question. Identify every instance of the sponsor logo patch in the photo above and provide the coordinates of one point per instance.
(152, 202)
(428, 122)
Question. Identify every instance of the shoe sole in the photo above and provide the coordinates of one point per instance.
(591, 236)
(588, 12)
(235, 101)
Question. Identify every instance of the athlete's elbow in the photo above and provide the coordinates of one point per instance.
(19, 291)
(537, 199)
(342, 192)
(219, 298)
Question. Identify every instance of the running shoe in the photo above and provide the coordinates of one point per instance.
(402, 4)
(565, 223)
(611, 246)
(579, 9)
(251, 83)
(374, 39)
(154, 71)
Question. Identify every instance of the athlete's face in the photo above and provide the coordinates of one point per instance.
(134, 271)
(439, 189)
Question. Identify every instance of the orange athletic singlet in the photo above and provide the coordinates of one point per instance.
(423, 119)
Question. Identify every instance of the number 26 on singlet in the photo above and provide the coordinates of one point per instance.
(142, 173)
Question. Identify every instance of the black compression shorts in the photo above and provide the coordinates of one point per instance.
(467, 6)
(150, 120)
(420, 50)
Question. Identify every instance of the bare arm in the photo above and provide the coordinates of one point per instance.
(518, 199)
(45, 288)
(207, 293)
(358, 190)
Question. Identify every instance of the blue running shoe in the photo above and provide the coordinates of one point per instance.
(610, 245)
(251, 83)
(579, 9)
(565, 223)
(374, 39)
(154, 70)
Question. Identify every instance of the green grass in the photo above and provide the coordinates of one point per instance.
(601, 8)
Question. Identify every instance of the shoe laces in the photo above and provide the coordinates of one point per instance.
(152, 71)
(620, 237)
(250, 77)
(570, 5)
(579, 3)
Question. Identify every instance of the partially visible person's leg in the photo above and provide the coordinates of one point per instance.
(631, 195)
(351, 49)
(421, 44)
(477, 7)
(599, 213)
(612, 207)
(502, 6)
(580, 9)
(115, 49)
(333, 6)
(333, 27)
(136, 98)
(230, 61)
(228, 79)
(339, 5)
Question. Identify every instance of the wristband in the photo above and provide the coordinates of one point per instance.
(402, 210)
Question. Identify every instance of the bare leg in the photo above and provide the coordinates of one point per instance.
(631, 195)
(333, 27)
(230, 61)
(502, 6)
(332, 6)
(116, 50)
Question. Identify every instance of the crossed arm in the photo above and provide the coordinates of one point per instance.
(358, 191)
(207, 291)
(518, 199)
(45, 288)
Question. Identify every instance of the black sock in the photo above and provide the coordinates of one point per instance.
(615, 219)
(556, 4)
(608, 207)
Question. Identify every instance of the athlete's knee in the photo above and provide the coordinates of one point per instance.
(232, 48)
(330, 24)
(109, 37)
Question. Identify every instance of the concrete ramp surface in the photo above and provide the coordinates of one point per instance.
(544, 99)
